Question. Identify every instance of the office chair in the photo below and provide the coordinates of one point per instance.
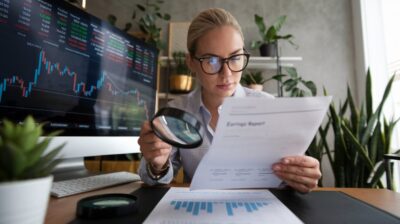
(388, 168)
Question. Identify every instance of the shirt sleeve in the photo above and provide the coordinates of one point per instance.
(174, 165)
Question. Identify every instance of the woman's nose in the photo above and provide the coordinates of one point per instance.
(225, 70)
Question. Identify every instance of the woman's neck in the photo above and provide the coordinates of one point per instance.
(211, 102)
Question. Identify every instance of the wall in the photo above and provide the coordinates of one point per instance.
(322, 29)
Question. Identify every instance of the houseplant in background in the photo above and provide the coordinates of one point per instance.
(147, 21)
(294, 85)
(180, 81)
(361, 137)
(25, 167)
(268, 45)
(253, 80)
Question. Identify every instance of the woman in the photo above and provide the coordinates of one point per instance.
(217, 56)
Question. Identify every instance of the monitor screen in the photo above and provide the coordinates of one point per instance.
(77, 73)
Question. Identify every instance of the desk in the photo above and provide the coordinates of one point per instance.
(63, 210)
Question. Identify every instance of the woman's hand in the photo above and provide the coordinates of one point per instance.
(154, 150)
(300, 172)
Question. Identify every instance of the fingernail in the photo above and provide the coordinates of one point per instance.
(285, 161)
(276, 168)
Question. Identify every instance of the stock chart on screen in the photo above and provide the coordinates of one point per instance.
(72, 70)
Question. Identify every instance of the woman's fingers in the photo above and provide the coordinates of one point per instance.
(153, 149)
(300, 172)
(306, 181)
(313, 172)
(298, 186)
(303, 161)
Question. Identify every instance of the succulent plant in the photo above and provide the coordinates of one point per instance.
(23, 154)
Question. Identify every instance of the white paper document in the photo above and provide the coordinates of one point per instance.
(254, 133)
(182, 206)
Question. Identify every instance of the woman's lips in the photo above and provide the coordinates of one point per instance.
(225, 86)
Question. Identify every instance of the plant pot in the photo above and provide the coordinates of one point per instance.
(268, 50)
(180, 83)
(24, 201)
(257, 87)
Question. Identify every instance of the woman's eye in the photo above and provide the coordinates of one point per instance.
(235, 58)
(213, 60)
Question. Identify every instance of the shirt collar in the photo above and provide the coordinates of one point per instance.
(197, 102)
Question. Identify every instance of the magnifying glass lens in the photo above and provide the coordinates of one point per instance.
(177, 128)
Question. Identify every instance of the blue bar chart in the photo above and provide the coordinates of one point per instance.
(183, 206)
(197, 207)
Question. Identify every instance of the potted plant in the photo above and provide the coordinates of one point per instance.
(270, 36)
(361, 138)
(180, 81)
(253, 80)
(25, 167)
(147, 22)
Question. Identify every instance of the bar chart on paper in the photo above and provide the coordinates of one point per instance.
(182, 206)
(209, 207)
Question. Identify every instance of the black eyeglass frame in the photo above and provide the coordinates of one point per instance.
(223, 61)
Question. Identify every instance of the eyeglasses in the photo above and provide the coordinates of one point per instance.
(212, 65)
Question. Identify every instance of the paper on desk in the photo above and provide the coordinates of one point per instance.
(181, 206)
(254, 133)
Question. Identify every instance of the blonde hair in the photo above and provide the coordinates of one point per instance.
(206, 21)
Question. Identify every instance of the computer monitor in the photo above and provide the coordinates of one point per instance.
(76, 73)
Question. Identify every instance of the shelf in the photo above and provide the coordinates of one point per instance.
(268, 63)
(171, 96)
(265, 63)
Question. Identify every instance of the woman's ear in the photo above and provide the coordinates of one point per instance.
(190, 62)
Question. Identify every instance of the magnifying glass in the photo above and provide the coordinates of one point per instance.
(177, 127)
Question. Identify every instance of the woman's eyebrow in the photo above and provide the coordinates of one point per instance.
(211, 54)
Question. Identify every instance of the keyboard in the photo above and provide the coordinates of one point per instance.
(80, 185)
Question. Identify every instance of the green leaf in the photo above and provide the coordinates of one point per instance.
(289, 84)
(134, 15)
(292, 72)
(37, 151)
(358, 147)
(368, 95)
(112, 19)
(279, 22)
(127, 27)
(343, 108)
(167, 16)
(278, 77)
(375, 116)
(256, 44)
(270, 37)
(353, 112)
(311, 86)
(17, 160)
(379, 170)
(285, 37)
(141, 7)
(374, 143)
(260, 24)
(295, 92)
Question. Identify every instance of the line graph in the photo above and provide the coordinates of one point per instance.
(77, 89)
